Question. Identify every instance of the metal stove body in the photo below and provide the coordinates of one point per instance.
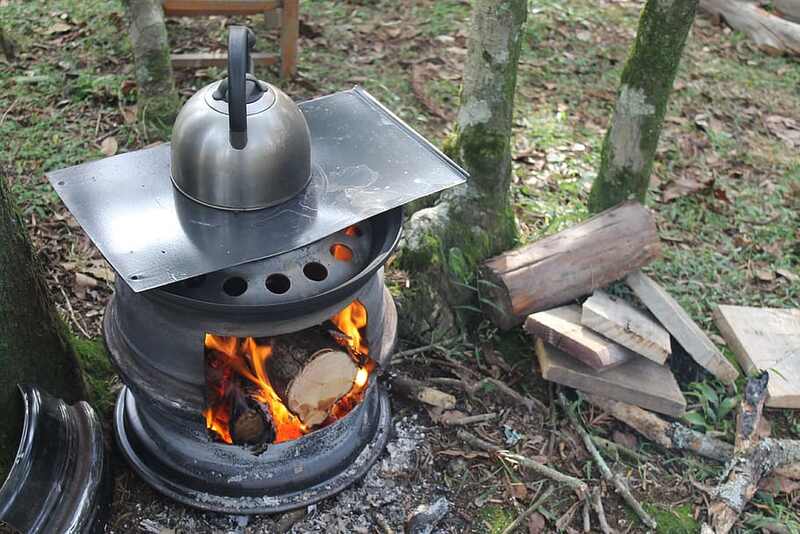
(155, 340)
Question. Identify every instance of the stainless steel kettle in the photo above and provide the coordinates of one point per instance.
(240, 143)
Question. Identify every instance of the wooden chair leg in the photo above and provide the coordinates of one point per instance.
(290, 32)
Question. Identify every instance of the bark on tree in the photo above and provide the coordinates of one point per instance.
(158, 101)
(444, 243)
(34, 346)
(630, 143)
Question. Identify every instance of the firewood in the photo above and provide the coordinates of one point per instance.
(561, 327)
(251, 423)
(327, 377)
(567, 265)
(418, 391)
(769, 32)
(290, 354)
(675, 319)
(619, 321)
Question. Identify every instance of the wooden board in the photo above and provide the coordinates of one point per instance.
(561, 327)
(619, 321)
(680, 325)
(216, 59)
(766, 339)
(639, 382)
(199, 8)
(569, 264)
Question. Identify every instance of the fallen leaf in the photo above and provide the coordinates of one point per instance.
(536, 523)
(789, 275)
(83, 280)
(785, 129)
(765, 275)
(625, 439)
(776, 484)
(518, 490)
(685, 186)
(129, 114)
(109, 146)
(58, 27)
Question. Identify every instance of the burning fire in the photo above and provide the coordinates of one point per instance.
(230, 357)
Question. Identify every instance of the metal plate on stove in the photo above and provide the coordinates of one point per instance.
(365, 161)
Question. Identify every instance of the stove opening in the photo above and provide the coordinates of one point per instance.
(264, 390)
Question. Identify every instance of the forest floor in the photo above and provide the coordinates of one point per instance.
(725, 192)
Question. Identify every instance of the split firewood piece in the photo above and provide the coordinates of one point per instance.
(561, 327)
(421, 392)
(673, 317)
(327, 377)
(251, 423)
(639, 381)
(290, 354)
(766, 339)
(567, 265)
(619, 321)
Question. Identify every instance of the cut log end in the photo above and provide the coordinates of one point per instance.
(327, 377)
(252, 425)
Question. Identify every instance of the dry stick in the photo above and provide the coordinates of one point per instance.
(619, 450)
(528, 511)
(601, 514)
(72, 315)
(616, 480)
(676, 436)
(472, 388)
(470, 419)
(587, 522)
(573, 483)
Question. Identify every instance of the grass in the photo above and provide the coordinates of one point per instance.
(70, 89)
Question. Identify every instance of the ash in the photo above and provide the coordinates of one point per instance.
(402, 481)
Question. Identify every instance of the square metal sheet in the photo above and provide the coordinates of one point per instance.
(365, 161)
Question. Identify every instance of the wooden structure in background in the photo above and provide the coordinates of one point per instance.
(289, 26)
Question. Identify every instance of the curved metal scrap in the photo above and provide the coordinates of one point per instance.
(60, 480)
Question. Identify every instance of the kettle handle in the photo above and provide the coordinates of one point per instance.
(240, 40)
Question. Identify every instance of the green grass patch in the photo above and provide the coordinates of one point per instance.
(673, 520)
(495, 518)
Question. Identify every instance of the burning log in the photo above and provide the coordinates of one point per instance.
(326, 378)
(290, 355)
(251, 423)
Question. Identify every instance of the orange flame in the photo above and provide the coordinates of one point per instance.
(341, 252)
(231, 356)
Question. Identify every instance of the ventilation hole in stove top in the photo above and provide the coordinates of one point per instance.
(234, 286)
(195, 281)
(352, 231)
(278, 283)
(341, 252)
(315, 271)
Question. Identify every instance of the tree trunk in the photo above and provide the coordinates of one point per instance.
(158, 101)
(34, 347)
(630, 143)
(444, 243)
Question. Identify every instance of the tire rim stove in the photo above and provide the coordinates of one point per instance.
(251, 334)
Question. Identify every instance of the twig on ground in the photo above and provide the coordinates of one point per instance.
(470, 419)
(73, 318)
(472, 388)
(597, 504)
(619, 450)
(619, 483)
(411, 352)
(528, 511)
(573, 483)
(587, 521)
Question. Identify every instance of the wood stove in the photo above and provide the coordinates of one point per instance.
(251, 340)
(158, 341)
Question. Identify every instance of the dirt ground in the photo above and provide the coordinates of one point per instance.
(725, 192)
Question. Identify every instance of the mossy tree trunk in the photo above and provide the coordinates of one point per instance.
(34, 347)
(630, 143)
(158, 101)
(444, 243)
